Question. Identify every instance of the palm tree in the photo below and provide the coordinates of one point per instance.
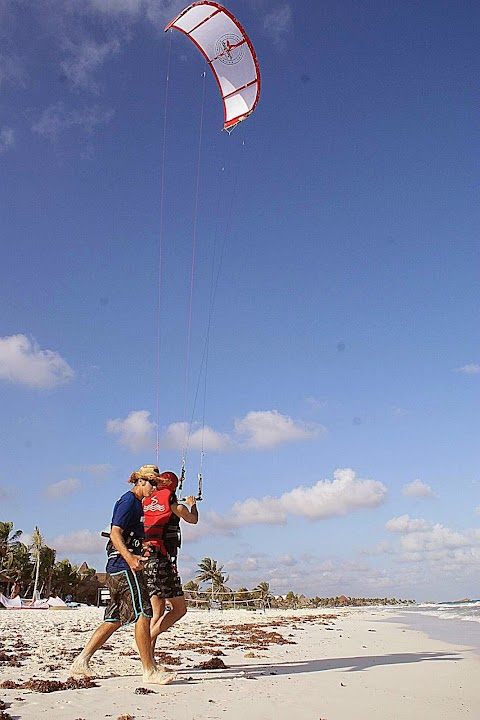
(36, 546)
(209, 571)
(21, 568)
(65, 578)
(9, 540)
(263, 589)
(47, 561)
(291, 599)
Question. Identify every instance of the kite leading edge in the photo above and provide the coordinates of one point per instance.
(229, 52)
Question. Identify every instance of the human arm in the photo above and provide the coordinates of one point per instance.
(135, 562)
(183, 512)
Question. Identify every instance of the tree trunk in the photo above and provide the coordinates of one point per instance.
(37, 572)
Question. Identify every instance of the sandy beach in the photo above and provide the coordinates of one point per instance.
(302, 664)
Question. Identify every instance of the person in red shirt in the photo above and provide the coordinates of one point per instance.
(162, 515)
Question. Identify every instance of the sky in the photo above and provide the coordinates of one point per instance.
(322, 347)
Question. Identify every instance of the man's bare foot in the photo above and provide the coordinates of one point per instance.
(81, 667)
(163, 669)
(158, 677)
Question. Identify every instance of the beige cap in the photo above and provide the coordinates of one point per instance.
(147, 471)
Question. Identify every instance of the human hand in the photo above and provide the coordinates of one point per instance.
(136, 562)
(191, 500)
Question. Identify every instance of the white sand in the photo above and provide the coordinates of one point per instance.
(355, 667)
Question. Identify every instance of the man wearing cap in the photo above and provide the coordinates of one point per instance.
(126, 582)
(162, 514)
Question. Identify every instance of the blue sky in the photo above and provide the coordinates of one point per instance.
(340, 225)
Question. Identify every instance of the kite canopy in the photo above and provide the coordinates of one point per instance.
(230, 54)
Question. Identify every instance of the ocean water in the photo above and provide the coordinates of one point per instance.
(460, 610)
(457, 623)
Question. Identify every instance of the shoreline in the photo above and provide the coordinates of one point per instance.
(275, 665)
(454, 631)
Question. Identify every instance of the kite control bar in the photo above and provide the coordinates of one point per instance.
(198, 497)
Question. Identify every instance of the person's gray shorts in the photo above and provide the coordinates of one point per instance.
(129, 597)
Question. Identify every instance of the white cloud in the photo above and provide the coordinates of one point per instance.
(246, 564)
(278, 23)
(268, 429)
(260, 430)
(263, 511)
(86, 58)
(469, 369)
(434, 540)
(442, 548)
(23, 362)
(406, 524)
(330, 498)
(80, 541)
(136, 431)
(176, 438)
(7, 139)
(63, 488)
(209, 439)
(56, 118)
(157, 12)
(211, 524)
(160, 13)
(381, 548)
(417, 488)
(327, 498)
(311, 575)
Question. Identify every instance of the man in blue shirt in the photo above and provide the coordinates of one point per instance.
(129, 600)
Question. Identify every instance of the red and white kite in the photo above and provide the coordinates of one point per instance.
(230, 54)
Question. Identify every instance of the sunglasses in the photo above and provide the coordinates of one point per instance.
(153, 483)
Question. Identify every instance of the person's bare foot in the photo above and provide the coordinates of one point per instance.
(80, 666)
(158, 677)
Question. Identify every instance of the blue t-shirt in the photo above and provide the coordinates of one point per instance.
(127, 514)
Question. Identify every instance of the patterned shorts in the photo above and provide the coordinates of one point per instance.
(163, 578)
(128, 597)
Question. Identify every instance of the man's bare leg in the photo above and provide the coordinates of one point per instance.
(151, 672)
(179, 609)
(158, 607)
(81, 665)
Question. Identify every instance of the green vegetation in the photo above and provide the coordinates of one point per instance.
(35, 568)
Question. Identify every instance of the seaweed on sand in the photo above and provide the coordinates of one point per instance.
(215, 663)
(144, 691)
(48, 686)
